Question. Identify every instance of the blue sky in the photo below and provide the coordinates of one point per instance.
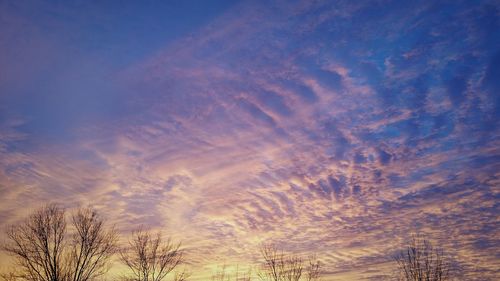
(331, 127)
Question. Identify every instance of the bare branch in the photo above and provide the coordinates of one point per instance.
(420, 261)
(91, 246)
(149, 258)
(223, 275)
(43, 254)
(313, 270)
(279, 267)
(182, 275)
(38, 242)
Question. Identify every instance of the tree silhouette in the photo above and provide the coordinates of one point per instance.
(10, 276)
(150, 258)
(182, 275)
(313, 269)
(91, 246)
(421, 261)
(278, 266)
(222, 275)
(43, 252)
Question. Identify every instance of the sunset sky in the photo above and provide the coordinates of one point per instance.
(334, 128)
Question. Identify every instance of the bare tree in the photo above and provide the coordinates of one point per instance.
(38, 244)
(223, 275)
(149, 257)
(279, 267)
(10, 276)
(421, 261)
(181, 275)
(43, 254)
(243, 276)
(91, 246)
(313, 269)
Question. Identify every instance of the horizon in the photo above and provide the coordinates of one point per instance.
(331, 128)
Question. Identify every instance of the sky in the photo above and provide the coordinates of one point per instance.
(334, 128)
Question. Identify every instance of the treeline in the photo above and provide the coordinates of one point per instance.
(47, 246)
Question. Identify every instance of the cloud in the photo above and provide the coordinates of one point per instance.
(335, 130)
